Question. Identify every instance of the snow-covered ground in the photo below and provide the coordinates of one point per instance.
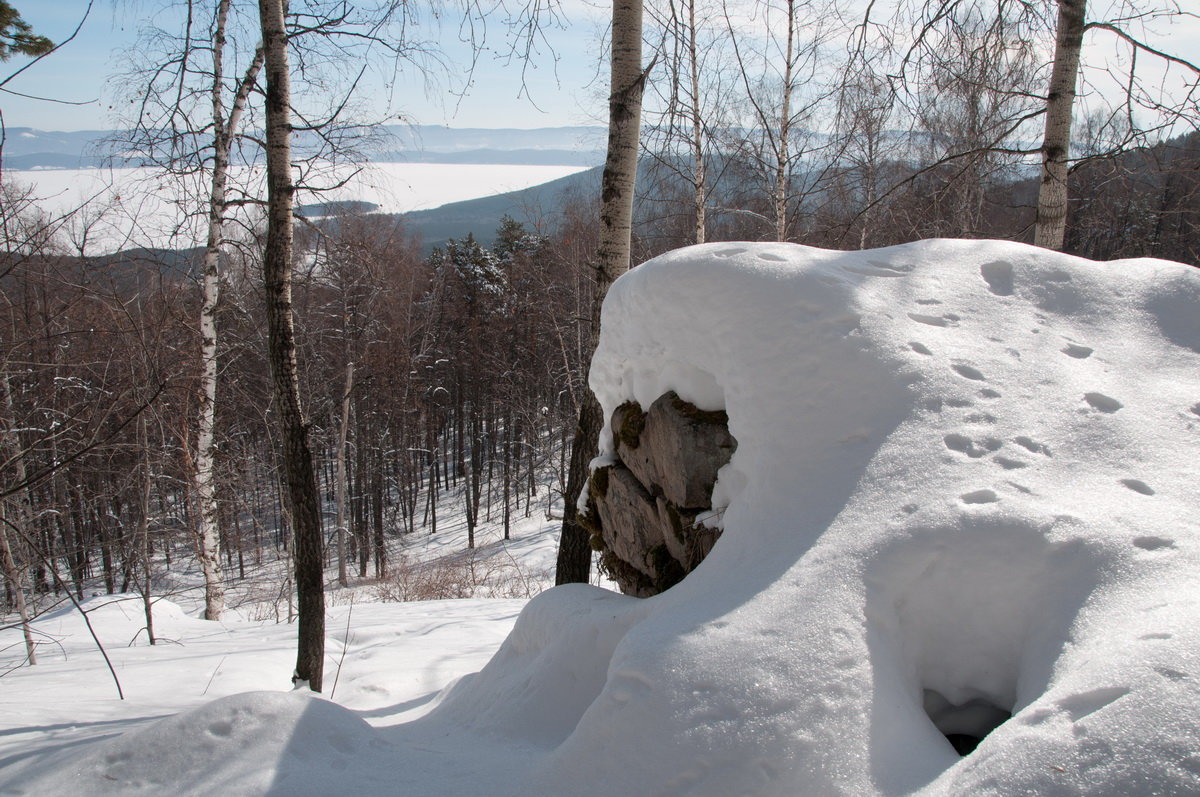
(965, 488)
(115, 209)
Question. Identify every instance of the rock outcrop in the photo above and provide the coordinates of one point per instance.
(643, 509)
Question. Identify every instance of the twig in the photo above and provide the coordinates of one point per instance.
(345, 647)
(67, 591)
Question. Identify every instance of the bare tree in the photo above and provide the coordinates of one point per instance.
(297, 464)
(627, 83)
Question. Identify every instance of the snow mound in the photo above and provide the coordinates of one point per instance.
(251, 743)
(960, 556)
(962, 507)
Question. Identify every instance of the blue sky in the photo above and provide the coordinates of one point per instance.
(565, 91)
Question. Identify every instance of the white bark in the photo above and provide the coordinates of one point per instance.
(699, 173)
(208, 537)
(1051, 228)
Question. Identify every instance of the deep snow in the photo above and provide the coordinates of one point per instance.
(965, 486)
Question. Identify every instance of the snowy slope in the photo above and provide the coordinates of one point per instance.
(965, 486)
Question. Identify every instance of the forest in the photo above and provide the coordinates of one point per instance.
(139, 419)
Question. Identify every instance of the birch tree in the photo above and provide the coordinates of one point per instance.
(627, 84)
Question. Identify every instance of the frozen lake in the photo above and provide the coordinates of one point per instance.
(114, 209)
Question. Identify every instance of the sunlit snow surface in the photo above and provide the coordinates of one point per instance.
(107, 210)
(967, 475)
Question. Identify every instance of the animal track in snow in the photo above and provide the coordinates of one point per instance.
(948, 319)
(968, 372)
(728, 252)
(1138, 486)
(1080, 705)
(1196, 408)
(1172, 675)
(965, 445)
(981, 418)
(875, 269)
(980, 497)
(1153, 543)
(919, 348)
(998, 275)
(1077, 351)
(774, 258)
(988, 393)
(1010, 464)
(1102, 402)
(1032, 446)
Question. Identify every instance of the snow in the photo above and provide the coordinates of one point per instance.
(965, 487)
(122, 208)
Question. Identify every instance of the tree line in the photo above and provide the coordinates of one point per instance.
(151, 412)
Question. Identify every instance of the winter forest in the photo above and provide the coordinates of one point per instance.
(292, 412)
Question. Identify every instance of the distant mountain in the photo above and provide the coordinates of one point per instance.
(481, 217)
(437, 139)
(26, 148)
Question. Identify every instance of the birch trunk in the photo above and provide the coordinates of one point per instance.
(779, 193)
(1051, 227)
(208, 535)
(699, 172)
(297, 466)
(612, 258)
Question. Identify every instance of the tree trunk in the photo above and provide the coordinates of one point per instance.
(612, 258)
(20, 520)
(297, 466)
(779, 192)
(208, 538)
(1051, 227)
(699, 172)
(340, 478)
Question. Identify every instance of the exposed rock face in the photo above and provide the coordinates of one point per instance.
(643, 509)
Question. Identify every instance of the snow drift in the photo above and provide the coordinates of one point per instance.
(962, 511)
(965, 488)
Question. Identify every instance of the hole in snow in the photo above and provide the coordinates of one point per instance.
(973, 621)
(966, 724)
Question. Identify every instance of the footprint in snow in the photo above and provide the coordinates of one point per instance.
(1032, 446)
(1010, 464)
(999, 277)
(1102, 402)
(921, 348)
(965, 445)
(774, 258)
(728, 252)
(968, 372)
(933, 320)
(1077, 351)
(979, 497)
(1085, 703)
(873, 270)
(1138, 486)
(1153, 543)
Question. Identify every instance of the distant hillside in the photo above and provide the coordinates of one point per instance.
(26, 148)
(481, 217)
